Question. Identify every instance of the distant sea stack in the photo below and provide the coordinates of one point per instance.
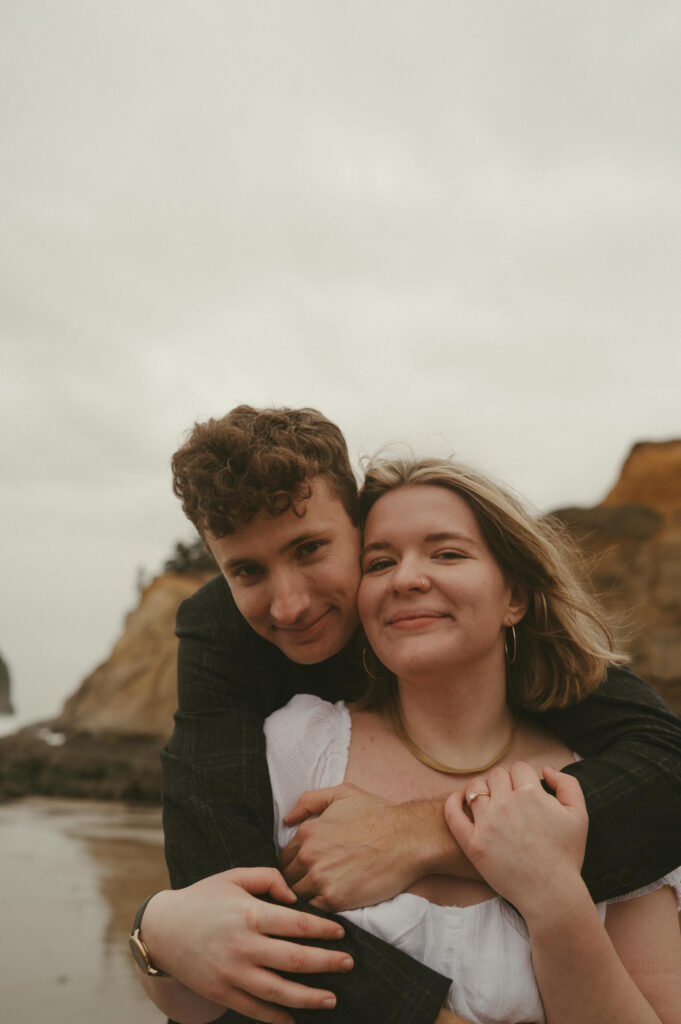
(634, 540)
(5, 702)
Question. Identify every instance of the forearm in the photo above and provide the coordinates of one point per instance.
(435, 851)
(580, 976)
(179, 1002)
(353, 849)
(631, 782)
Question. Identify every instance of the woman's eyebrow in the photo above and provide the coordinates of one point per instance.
(435, 538)
(430, 538)
(376, 545)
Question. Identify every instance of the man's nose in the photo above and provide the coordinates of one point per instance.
(290, 598)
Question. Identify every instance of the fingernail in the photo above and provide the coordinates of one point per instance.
(339, 933)
(347, 964)
(329, 1004)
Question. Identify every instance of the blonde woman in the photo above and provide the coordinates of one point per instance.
(474, 619)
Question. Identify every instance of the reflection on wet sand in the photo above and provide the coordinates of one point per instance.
(72, 874)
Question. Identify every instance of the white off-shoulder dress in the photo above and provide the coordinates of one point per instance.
(483, 948)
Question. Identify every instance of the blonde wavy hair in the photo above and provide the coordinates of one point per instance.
(564, 641)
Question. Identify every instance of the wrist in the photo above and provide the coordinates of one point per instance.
(418, 828)
(563, 902)
(146, 937)
(438, 852)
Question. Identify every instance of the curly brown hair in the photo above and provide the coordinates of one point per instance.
(254, 460)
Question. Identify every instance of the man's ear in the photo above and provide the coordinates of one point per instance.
(518, 604)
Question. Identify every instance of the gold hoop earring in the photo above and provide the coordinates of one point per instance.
(511, 658)
(367, 669)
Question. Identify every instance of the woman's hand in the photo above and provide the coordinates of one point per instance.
(527, 845)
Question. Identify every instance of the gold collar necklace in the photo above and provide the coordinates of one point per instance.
(399, 727)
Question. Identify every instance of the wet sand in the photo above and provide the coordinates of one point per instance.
(72, 874)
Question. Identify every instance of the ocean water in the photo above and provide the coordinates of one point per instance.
(72, 874)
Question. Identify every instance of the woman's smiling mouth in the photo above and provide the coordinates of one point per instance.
(415, 619)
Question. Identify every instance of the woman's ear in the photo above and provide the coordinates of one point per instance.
(518, 604)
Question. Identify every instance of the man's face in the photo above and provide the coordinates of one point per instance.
(294, 578)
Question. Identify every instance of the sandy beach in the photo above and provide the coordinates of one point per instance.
(71, 876)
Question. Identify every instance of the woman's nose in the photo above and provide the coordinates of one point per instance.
(410, 575)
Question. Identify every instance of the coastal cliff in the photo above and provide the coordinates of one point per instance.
(105, 743)
(134, 692)
(106, 740)
(633, 541)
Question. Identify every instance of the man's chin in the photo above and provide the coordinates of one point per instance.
(309, 654)
(313, 651)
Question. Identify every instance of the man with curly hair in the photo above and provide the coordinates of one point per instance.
(273, 495)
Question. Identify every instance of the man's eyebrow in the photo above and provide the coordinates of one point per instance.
(234, 563)
(301, 538)
(430, 538)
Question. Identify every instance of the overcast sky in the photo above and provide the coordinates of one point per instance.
(453, 224)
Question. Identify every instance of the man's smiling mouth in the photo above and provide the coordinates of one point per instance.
(297, 630)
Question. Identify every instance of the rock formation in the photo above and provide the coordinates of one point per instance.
(633, 539)
(5, 702)
(134, 692)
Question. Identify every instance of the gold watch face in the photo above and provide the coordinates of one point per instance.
(140, 954)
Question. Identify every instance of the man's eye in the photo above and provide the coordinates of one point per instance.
(310, 547)
(247, 572)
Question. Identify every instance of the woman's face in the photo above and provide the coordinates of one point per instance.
(432, 597)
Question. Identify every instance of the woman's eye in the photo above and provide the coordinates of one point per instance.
(449, 556)
(377, 565)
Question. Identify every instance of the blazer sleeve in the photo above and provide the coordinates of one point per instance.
(631, 778)
(217, 805)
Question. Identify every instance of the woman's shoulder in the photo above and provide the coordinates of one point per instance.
(672, 880)
(307, 748)
(537, 746)
(306, 713)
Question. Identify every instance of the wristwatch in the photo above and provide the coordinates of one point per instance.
(139, 950)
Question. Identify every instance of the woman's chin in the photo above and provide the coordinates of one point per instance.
(421, 666)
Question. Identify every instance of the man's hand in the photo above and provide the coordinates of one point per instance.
(362, 850)
(220, 941)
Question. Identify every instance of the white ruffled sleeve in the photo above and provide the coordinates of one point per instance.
(673, 879)
(307, 748)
